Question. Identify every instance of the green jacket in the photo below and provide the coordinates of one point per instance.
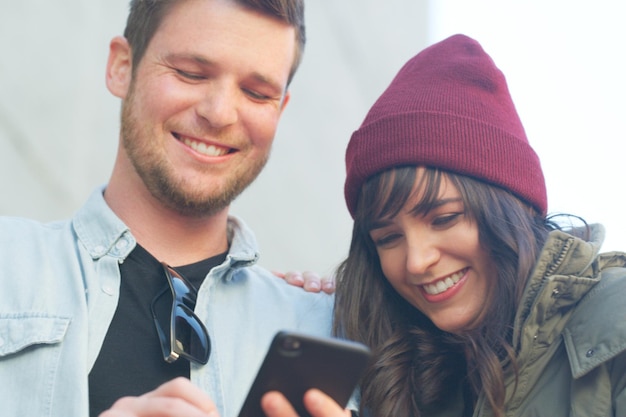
(570, 334)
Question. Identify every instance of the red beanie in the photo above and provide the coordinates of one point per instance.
(449, 107)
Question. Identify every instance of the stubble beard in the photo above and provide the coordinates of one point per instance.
(160, 179)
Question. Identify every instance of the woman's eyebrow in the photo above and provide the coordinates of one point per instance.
(378, 224)
(421, 208)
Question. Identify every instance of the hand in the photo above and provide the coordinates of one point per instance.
(317, 403)
(176, 398)
(310, 281)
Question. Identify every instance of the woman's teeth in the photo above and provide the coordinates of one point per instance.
(443, 284)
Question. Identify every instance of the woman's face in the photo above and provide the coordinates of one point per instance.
(434, 260)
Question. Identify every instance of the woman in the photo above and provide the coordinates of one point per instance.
(473, 300)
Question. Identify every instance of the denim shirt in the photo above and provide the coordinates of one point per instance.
(59, 287)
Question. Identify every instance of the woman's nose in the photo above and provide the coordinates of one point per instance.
(421, 255)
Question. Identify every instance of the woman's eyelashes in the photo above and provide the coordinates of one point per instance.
(385, 240)
(446, 220)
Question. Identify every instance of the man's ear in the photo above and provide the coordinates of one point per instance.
(119, 67)
(286, 98)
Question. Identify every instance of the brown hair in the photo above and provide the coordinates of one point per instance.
(145, 17)
(417, 366)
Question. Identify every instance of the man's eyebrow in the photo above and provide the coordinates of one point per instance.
(177, 56)
(273, 84)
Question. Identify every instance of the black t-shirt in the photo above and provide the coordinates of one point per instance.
(131, 361)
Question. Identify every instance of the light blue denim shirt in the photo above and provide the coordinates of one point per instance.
(59, 288)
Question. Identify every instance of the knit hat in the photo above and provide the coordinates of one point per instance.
(449, 107)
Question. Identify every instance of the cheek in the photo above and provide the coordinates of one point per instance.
(392, 266)
(164, 96)
(261, 122)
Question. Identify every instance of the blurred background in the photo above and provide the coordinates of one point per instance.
(564, 61)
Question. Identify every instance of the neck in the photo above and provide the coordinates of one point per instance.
(167, 234)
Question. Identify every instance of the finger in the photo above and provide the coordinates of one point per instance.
(328, 284)
(155, 407)
(312, 281)
(182, 389)
(294, 278)
(274, 404)
(319, 404)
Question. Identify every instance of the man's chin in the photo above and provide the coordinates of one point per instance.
(197, 204)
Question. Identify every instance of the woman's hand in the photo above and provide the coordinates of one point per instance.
(308, 280)
(176, 398)
(317, 403)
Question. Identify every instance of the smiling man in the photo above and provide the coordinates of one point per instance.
(200, 110)
(152, 279)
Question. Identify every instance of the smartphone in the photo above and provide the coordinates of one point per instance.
(296, 362)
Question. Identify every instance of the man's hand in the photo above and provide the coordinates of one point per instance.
(176, 398)
(310, 281)
(317, 403)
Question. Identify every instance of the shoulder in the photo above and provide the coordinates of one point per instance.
(596, 331)
(21, 224)
(19, 234)
(263, 277)
(261, 284)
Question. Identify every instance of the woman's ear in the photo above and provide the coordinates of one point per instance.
(119, 67)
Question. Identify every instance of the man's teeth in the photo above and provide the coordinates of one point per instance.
(203, 148)
(444, 284)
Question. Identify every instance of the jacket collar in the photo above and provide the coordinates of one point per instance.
(563, 275)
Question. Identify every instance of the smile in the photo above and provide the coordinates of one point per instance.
(444, 284)
(203, 148)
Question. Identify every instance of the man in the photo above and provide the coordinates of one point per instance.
(87, 305)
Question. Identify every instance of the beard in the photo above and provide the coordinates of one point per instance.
(159, 177)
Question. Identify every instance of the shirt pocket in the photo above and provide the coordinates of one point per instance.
(30, 357)
(23, 333)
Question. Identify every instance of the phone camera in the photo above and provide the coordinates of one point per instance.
(291, 343)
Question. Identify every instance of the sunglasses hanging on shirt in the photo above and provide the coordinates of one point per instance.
(185, 335)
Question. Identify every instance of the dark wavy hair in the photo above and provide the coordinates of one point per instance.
(145, 17)
(417, 366)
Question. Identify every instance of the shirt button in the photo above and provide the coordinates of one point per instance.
(108, 290)
(122, 244)
(590, 353)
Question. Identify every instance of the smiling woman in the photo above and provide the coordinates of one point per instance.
(429, 247)
(456, 277)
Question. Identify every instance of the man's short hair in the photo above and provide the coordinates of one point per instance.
(145, 17)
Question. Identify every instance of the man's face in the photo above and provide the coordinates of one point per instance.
(201, 111)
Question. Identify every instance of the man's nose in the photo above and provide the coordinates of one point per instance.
(219, 105)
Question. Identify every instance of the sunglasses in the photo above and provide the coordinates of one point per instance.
(185, 335)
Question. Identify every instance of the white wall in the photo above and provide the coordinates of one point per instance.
(58, 124)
